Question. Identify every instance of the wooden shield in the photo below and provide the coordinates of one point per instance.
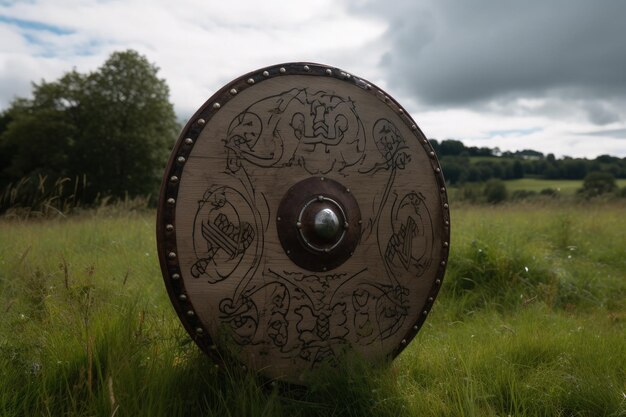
(303, 216)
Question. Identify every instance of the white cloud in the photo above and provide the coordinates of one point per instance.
(562, 136)
(201, 45)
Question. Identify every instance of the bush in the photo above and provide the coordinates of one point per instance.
(597, 183)
(522, 194)
(550, 192)
(495, 191)
(470, 193)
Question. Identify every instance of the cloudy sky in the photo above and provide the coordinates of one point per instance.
(549, 76)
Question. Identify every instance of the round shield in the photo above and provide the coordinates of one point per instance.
(303, 217)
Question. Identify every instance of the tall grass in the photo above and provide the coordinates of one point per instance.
(530, 322)
(40, 197)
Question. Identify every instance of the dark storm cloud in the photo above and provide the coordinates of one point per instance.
(461, 52)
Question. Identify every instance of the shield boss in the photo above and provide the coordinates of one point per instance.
(303, 216)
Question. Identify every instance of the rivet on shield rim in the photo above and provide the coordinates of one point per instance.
(201, 122)
(233, 91)
(265, 74)
(181, 159)
(174, 178)
(171, 255)
(199, 330)
(216, 106)
(443, 263)
(251, 80)
(437, 169)
(282, 70)
(425, 312)
(445, 244)
(171, 201)
(431, 299)
(445, 205)
(188, 141)
(169, 227)
(182, 297)
(329, 71)
(416, 327)
(306, 68)
(432, 154)
(176, 276)
(191, 313)
(443, 189)
(413, 127)
(403, 341)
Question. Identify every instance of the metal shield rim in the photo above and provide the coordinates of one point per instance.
(166, 207)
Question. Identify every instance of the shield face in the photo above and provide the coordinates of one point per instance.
(303, 216)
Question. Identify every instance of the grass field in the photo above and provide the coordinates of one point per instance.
(565, 187)
(531, 321)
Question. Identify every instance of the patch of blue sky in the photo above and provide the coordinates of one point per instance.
(35, 26)
(513, 133)
(43, 48)
(45, 38)
(89, 47)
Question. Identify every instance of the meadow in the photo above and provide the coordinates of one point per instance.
(563, 187)
(531, 321)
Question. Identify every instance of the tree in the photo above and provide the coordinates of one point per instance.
(596, 183)
(573, 169)
(114, 125)
(518, 169)
(135, 127)
(40, 132)
(453, 171)
(451, 147)
(495, 191)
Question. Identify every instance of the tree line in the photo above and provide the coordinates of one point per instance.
(463, 164)
(109, 130)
